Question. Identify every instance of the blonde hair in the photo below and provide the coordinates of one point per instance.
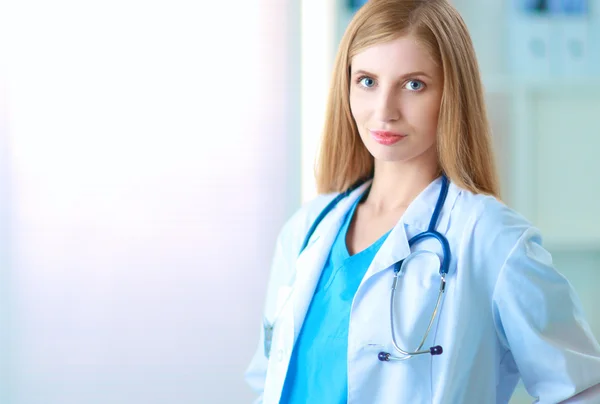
(463, 139)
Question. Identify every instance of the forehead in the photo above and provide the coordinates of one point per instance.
(396, 57)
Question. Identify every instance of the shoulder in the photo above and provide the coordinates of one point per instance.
(488, 213)
(491, 230)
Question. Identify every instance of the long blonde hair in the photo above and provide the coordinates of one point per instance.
(463, 139)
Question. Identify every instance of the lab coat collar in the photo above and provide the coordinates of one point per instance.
(415, 220)
(419, 212)
(311, 261)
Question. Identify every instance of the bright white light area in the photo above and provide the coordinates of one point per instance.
(318, 51)
(148, 177)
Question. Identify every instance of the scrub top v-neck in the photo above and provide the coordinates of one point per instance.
(318, 371)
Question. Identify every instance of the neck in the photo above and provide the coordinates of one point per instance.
(395, 185)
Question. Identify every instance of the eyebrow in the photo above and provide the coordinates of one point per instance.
(404, 76)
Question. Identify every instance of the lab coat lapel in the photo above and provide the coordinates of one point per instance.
(394, 249)
(415, 220)
(311, 261)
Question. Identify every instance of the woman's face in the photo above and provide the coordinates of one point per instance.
(395, 95)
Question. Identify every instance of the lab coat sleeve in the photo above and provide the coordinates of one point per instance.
(540, 320)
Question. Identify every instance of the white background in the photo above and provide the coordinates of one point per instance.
(149, 155)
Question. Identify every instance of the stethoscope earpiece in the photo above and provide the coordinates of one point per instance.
(383, 356)
(436, 350)
(386, 357)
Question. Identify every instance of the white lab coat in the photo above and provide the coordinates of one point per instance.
(507, 313)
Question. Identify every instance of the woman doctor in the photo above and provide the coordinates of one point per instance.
(406, 152)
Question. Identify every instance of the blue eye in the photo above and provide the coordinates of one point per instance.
(415, 85)
(366, 82)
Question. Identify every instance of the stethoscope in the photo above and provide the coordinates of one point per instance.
(430, 233)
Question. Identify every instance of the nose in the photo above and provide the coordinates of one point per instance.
(387, 108)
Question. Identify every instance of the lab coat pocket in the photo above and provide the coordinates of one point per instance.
(281, 316)
(281, 345)
(270, 321)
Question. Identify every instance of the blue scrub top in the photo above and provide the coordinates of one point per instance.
(318, 371)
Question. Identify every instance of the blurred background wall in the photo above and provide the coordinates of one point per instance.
(150, 152)
(149, 155)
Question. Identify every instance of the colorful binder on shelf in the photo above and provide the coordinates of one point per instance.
(553, 38)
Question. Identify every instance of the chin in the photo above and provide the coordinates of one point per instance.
(388, 153)
(403, 151)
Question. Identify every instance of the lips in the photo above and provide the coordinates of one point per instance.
(386, 138)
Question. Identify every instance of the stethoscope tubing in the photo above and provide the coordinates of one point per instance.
(398, 268)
